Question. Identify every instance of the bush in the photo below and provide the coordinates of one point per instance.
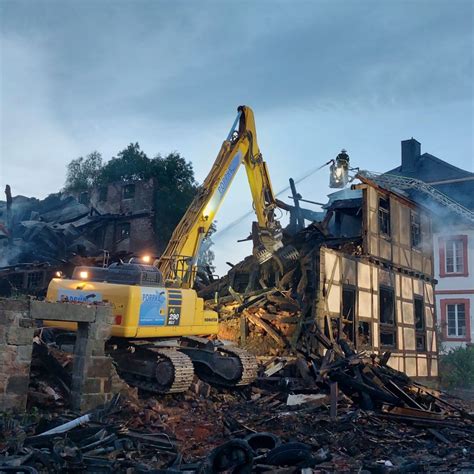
(456, 368)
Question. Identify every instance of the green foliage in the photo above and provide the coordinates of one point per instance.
(456, 368)
(175, 168)
(82, 173)
(176, 189)
(131, 164)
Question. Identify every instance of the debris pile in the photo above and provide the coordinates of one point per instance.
(271, 308)
(50, 377)
(93, 442)
(368, 382)
(341, 411)
(41, 237)
(278, 428)
(46, 231)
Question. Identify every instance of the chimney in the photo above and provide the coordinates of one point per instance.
(411, 151)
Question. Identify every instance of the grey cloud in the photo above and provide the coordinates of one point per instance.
(83, 75)
(146, 57)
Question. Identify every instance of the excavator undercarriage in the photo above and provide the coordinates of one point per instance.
(159, 369)
(169, 366)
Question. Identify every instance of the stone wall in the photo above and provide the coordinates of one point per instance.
(16, 343)
(91, 382)
(94, 379)
(93, 371)
(136, 211)
(142, 238)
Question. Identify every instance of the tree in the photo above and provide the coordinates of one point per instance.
(83, 173)
(130, 164)
(176, 188)
(456, 368)
(175, 168)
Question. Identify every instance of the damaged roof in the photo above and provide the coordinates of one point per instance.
(456, 183)
(344, 198)
(430, 168)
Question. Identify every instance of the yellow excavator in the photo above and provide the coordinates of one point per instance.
(158, 315)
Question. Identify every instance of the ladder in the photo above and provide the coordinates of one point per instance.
(403, 182)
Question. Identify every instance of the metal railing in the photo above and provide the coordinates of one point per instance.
(404, 182)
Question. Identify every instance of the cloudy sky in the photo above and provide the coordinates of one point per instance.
(77, 76)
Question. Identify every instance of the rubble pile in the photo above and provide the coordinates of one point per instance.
(47, 230)
(50, 377)
(338, 412)
(271, 308)
(277, 425)
(39, 238)
(93, 442)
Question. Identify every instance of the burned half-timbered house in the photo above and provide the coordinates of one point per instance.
(382, 298)
(363, 278)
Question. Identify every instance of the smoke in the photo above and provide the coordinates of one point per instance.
(443, 218)
(9, 255)
(25, 227)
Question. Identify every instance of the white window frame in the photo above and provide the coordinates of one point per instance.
(456, 320)
(457, 248)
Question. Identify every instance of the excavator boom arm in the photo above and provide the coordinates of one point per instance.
(178, 261)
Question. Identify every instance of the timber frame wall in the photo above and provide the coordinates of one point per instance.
(388, 264)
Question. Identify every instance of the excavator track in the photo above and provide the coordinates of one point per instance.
(183, 369)
(223, 366)
(156, 370)
(249, 365)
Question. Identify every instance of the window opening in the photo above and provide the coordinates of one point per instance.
(123, 231)
(348, 310)
(454, 256)
(34, 279)
(129, 191)
(84, 197)
(103, 193)
(415, 226)
(387, 317)
(384, 216)
(364, 337)
(419, 309)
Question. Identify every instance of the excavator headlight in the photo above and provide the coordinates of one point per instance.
(58, 274)
(146, 259)
(83, 275)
